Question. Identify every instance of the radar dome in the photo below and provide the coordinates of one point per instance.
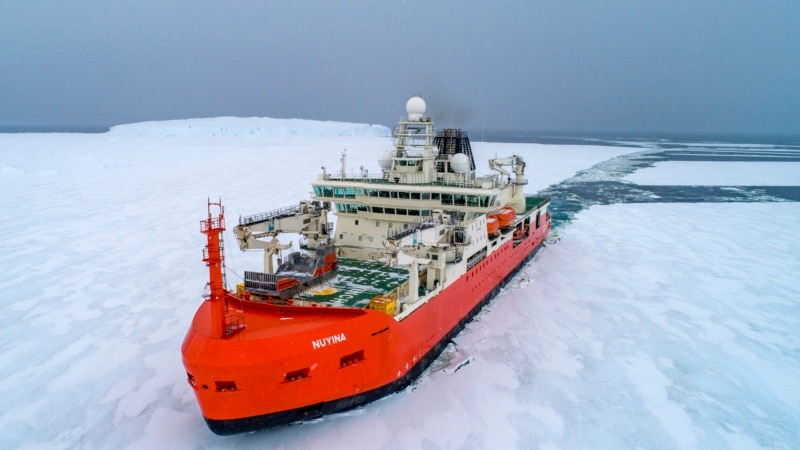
(415, 107)
(459, 163)
(385, 160)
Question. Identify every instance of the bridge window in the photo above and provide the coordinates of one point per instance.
(318, 190)
(372, 192)
(447, 199)
(384, 194)
(377, 209)
(426, 195)
(415, 196)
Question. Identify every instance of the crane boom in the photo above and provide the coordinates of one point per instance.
(308, 219)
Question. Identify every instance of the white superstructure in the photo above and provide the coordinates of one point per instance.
(423, 174)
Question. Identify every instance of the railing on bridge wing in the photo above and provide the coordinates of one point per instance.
(275, 214)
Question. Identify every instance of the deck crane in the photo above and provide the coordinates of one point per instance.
(308, 218)
(518, 166)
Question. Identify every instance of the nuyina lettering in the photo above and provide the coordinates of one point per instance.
(335, 339)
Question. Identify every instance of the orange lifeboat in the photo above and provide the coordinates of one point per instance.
(492, 225)
(506, 217)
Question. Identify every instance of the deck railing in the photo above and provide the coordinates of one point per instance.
(400, 233)
(270, 215)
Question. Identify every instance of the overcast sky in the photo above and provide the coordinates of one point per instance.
(558, 65)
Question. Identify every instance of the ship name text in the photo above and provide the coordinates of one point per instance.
(335, 339)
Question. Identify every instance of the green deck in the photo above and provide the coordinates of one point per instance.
(357, 282)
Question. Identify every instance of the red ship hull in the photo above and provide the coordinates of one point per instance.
(296, 363)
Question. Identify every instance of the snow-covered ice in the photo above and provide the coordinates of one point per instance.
(641, 326)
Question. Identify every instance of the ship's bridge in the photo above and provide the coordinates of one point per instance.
(381, 197)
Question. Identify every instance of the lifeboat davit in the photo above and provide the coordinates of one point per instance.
(506, 217)
(492, 225)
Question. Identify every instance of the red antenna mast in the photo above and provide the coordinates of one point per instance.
(214, 259)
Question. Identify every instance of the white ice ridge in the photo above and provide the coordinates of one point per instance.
(248, 126)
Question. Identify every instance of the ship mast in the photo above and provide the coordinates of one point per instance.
(213, 227)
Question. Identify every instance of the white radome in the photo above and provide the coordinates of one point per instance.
(415, 107)
(385, 160)
(459, 163)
